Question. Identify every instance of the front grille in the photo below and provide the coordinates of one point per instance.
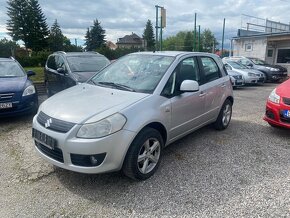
(286, 101)
(85, 160)
(283, 118)
(238, 77)
(4, 97)
(54, 124)
(55, 153)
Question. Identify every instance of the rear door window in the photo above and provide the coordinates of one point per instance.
(210, 69)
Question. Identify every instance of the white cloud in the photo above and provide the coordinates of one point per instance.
(122, 17)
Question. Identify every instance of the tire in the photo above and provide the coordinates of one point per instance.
(224, 117)
(142, 159)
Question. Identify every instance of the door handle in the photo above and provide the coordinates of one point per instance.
(223, 85)
(202, 94)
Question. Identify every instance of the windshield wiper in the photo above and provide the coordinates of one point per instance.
(117, 85)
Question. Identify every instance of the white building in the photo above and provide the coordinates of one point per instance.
(270, 46)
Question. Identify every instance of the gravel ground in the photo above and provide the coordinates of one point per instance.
(243, 171)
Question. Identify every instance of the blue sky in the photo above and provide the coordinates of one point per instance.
(122, 17)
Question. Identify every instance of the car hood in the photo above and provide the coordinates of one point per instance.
(83, 76)
(81, 102)
(282, 69)
(12, 84)
(254, 71)
(233, 73)
(284, 89)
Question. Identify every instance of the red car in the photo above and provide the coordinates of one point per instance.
(278, 106)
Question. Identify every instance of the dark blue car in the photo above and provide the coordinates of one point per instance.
(17, 92)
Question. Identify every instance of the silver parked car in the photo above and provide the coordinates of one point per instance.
(236, 77)
(251, 76)
(125, 115)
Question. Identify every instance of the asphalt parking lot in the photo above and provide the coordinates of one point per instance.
(243, 171)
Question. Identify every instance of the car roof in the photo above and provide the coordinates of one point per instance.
(6, 60)
(71, 54)
(174, 53)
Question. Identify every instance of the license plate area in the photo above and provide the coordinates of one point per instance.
(44, 139)
(5, 105)
(286, 113)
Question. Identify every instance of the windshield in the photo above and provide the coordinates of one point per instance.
(87, 63)
(135, 72)
(236, 65)
(10, 69)
(258, 61)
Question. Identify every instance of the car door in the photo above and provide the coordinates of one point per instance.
(50, 74)
(64, 78)
(187, 108)
(214, 85)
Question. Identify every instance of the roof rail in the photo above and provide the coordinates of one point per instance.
(93, 52)
(62, 52)
(12, 58)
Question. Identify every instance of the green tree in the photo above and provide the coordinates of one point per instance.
(188, 42)
(95, 37)
(7, 48)
(208, 41)
(68, 47)
(148, 35)
(56, 38)
(27, 23)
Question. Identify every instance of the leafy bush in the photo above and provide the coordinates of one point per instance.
(37, 59)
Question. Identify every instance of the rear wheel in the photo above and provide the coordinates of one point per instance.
(143, 156)
(224, 116)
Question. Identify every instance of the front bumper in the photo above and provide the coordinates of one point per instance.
(251, 79)
(274, 115)
(112, 149)
(278, 76)
(25, 105)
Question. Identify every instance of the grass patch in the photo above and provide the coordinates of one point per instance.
(39, 77)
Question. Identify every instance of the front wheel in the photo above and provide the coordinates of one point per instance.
(224, 116)
(143, 156)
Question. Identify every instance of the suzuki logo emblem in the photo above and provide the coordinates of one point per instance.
(48, 122)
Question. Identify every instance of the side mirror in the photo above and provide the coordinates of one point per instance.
(189, 86)
(250, 65)
(30, 73)
(61, 71)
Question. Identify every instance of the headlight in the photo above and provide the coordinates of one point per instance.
(252, 74)
(29, 90)
(274, 97)
(272, 69)
(103, 127)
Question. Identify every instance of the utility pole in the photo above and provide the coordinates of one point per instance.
(156, 27)
(194, 38)
(199, 38)
(223, 38)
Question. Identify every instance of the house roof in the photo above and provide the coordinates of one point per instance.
(254, 34)
(130, 39)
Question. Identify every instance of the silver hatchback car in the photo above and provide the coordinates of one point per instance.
(125, 115)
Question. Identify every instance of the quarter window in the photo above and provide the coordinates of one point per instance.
(51, 62)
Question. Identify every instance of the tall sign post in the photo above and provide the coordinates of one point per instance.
(161, 25)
